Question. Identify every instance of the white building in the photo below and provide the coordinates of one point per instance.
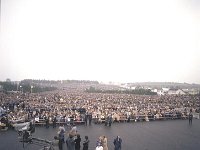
(191, 91)
(176, 92)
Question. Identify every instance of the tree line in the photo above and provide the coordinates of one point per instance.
(25, 87)
(139, 91)
(58, 81)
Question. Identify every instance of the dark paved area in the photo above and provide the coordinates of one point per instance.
(157, 135)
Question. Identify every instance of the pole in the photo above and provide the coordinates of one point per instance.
(23, 139)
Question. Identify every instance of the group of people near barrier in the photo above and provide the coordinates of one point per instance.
(78, 106)
(73, 140)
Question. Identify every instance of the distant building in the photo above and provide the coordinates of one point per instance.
(165, 89)
(191, 91)
(132, 87)
(176, 92)
(159, 91)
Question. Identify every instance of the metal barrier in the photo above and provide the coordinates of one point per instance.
(139, 118)
(42, 122)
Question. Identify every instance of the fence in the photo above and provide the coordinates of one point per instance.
(139, 118)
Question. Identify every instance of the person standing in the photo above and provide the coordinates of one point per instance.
(78, 142)
(86, 118)
(55, 143)
(54, 122)
(86, 143)
(99, 147)
(118, 143)
(61, 133)
(99, 141)
(90, 118)
(190, 117)
(47, 122)
(70, 143)
(110, 120)
(60, 142)
(105, 143)
(73, 130)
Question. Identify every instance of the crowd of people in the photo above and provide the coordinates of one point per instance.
(73, 140)
(74, 105)
(69, 106)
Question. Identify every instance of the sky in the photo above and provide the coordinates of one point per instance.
(107, 40)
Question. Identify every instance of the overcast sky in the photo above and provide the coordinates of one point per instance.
(105, 40)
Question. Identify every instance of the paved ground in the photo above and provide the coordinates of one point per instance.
(157, 135)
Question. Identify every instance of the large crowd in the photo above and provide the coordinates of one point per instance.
(74, 104)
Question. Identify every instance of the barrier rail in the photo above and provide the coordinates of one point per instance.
(139, 118)
(152, 118)
(43, 122)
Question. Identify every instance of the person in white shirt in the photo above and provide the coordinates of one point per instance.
(99, 147)
(61, 128)
(73, 131)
